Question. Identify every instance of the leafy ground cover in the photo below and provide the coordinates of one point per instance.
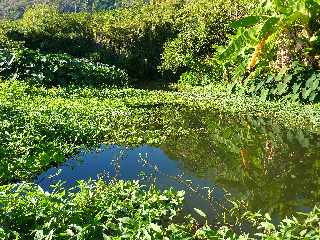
(98, 210)
(122, 210)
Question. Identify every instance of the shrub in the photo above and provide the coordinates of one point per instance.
(57, 69)
(134, 37)
(5, 27)
(202, 25)
(131, 37)
(43, 27)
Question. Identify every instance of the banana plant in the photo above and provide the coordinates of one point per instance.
(260, 31)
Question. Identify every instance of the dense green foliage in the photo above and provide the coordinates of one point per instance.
(148, 40)
(54, 101)
(5, 40)
(119, 210)
(275, 52)
(45, 28)
(202, 25)
(134, 37)
(57, 69)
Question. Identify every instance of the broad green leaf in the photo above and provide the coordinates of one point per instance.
(296, 87)
(267, 226)
(282, 88)
(246, 22)
(305, 93)
(70, 232)
(264, 94)
(313, 82)
(313, 96)
(155, 227)
(124, 219)
(268, 26)
(267, 216)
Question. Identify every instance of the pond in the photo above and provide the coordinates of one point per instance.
(218, 158)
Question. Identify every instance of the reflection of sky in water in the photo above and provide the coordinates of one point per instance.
(269, 167)
(130, 164)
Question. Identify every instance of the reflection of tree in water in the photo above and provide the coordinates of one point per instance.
(274, 169)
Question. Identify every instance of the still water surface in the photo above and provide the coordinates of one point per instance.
(249, 159)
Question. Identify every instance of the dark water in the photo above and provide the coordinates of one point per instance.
(247, 159)
(145, 163)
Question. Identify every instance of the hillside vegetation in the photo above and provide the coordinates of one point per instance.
(269, 49)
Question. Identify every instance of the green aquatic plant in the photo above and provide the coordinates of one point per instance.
(304, 226)
(123, 210)
(96, 210)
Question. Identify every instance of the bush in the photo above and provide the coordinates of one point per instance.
(202, 25)
(178, 35)
(43, 27)
(5, 40)
(134, 37)
(131, 37)
(57, 69)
